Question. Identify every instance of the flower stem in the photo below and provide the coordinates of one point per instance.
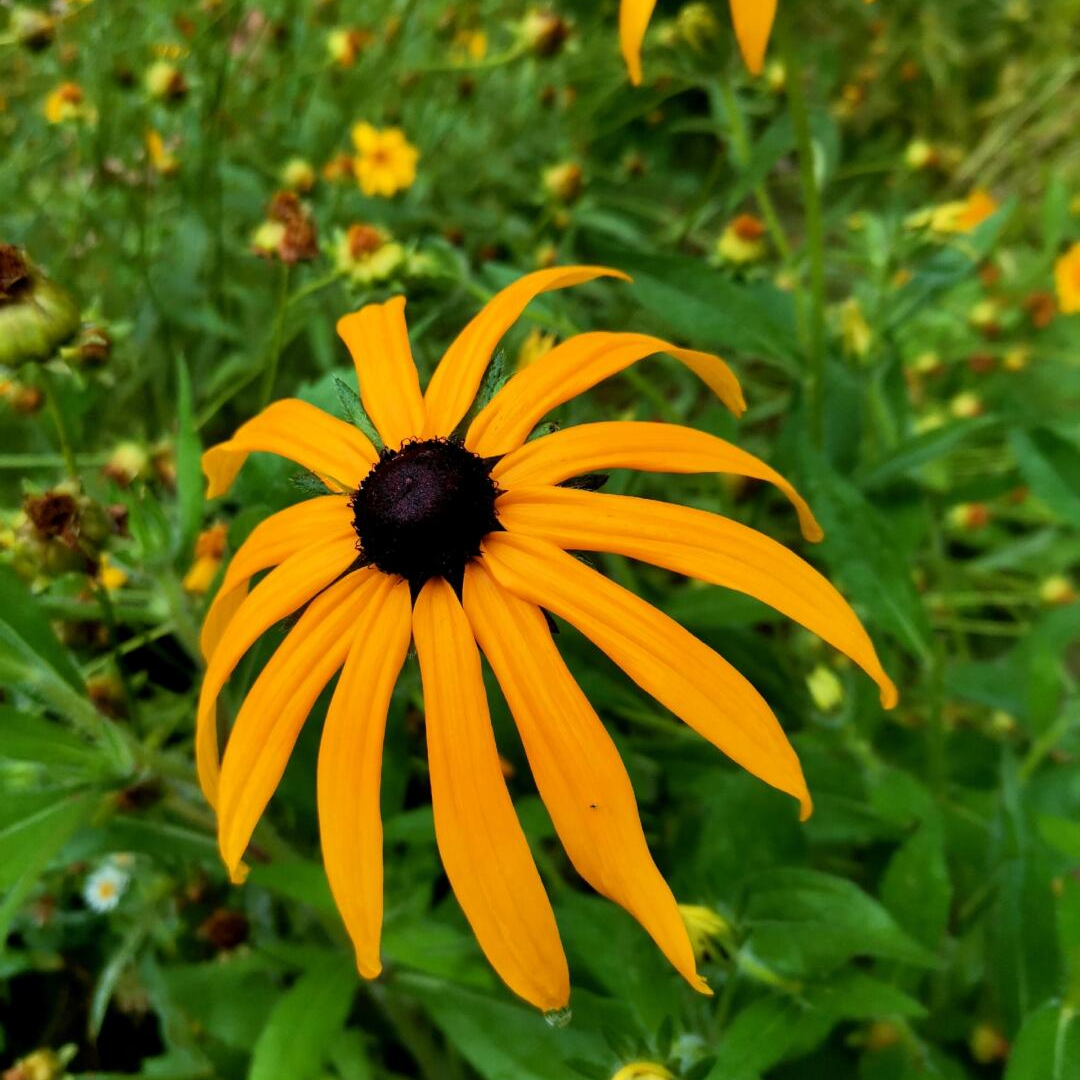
(57, 415)
(815, 236)
(276, 336)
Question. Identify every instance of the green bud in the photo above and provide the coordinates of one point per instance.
(36, 315)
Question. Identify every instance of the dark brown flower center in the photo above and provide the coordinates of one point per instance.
(423, 509)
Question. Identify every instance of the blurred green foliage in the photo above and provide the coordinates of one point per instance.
(926, 920)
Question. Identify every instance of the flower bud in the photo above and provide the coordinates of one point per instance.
(298, 174)
(544, 32)
(36, 315)
(31, 28)
(165, 81)
(564, 182)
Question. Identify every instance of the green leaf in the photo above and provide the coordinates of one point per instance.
(27, 639)
(862, 551)
(855, 995)
(1048, 1046)
(766, 1032)
(189, 477)
(354, 410)
(506, 1041)
(305, 1022)
(916, 887)
(1051, 466)
(917, 451)
(706, 309)
(29, 842)
(804, 922)
(26, 737)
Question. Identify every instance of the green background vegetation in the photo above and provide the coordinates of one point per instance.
(925, 922)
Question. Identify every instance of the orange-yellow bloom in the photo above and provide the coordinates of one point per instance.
(385, 160)
(1067, 280)
(752, 19)
(460, 545)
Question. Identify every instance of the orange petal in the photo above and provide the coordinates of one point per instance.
(570, 369)
(350, 766)
(378, 340)
(300, 577)
(681, 672)
(278, 704)
(483, 849)
(577, 769)
(634, 16)
(700, 545)
(271, 541)
(753, 21)
(650, 447)
(335, 451)
(456, 380)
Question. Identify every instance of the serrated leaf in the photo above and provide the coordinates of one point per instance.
(354, 411)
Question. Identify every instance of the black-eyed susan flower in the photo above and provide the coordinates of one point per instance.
(752, 19)
(366, 253)
(742, 241)
(67, 103)
(1067, 280)
(461, 544)
(385, 160)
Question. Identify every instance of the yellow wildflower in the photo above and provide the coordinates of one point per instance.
(742, 241)
(536, 344)
(470, 45)
(960, 216)
(162, 160)
(67, 102)
(386, 160)
(709, 931)
(111, 576)
(209, 550)
(643, 1070)
(366, 253)
(165, 81)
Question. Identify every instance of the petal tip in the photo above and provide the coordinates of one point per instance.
(890, 696)
(238, 874)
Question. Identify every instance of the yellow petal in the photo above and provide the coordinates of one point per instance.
(456, 380)
(753, 21)
(278, 704)
(350, 766)
(570, 369)
(339, 454)
(701, 545)
(300, 577)
(634, 16)
(665, 660)
(271, 541)
(483, 849)
(577, 769)
(651, 447)
(378, 342)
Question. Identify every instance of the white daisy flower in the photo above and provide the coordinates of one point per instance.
(104, 887)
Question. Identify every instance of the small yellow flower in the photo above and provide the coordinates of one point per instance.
(855, 331)
(987, 1044)
(386, 160)
(825, 688)
(298, 174)
(643, 1070)
(536, 344)
(470, 45)
(339, 167)
(1067, 280)
(1057, 590)
(564, 182)
(344, 44)
(209, 551)
(162, 161)
(966, 405)
(710, 933)
(164, 81)
(960, 216)
(921, 155)
(67, 102)
(1017, 358)
(742, 241)
(366, 254)
(110, 575)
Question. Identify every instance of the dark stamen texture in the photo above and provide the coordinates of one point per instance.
(423, 509)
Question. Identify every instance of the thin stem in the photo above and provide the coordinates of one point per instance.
(276, 335)
(815, 236)
(57, 415)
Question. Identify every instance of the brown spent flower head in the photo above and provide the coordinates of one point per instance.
(544, 32)
(295, 238)
(225, 929)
